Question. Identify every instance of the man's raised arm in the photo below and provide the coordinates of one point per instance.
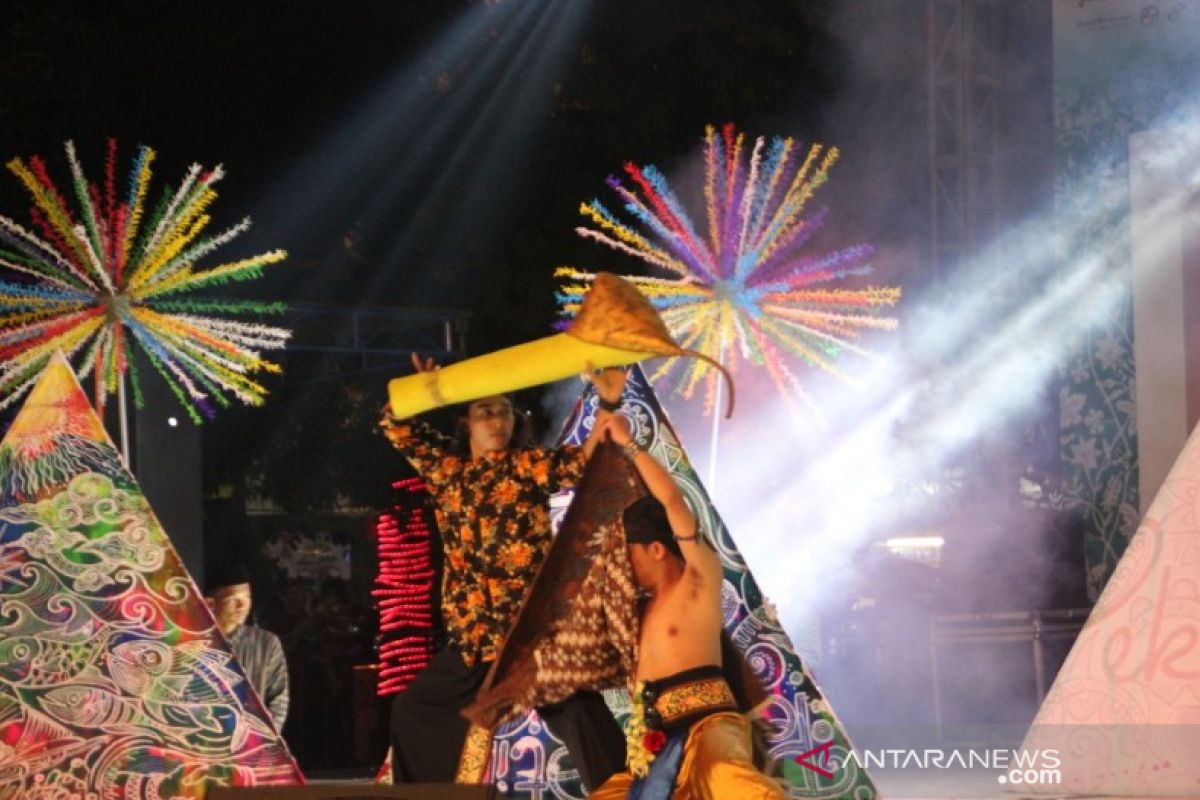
(696, 551)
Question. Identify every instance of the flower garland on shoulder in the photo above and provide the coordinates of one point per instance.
(641, 744)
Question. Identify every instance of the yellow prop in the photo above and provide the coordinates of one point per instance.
(615, 326)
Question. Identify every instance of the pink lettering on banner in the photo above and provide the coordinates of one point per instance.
(1170, 640)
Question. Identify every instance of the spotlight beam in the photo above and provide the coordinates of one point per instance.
(994, 335)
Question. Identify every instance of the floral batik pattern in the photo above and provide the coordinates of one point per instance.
(494, 517)
(1100, 98)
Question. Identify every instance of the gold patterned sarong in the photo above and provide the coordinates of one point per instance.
(717, 760)
(716, 765)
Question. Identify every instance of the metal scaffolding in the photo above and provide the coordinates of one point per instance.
(375, 338)
(963, 82)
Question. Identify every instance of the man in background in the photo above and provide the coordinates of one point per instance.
(258, 650)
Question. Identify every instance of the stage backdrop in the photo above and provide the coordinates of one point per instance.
(1120, 66)
(114, 681)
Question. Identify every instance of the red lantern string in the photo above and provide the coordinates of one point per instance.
(404, 587)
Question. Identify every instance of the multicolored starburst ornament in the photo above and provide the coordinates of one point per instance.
(747, 290)
(115, 271)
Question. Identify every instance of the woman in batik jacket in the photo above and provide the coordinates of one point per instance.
(493, 512)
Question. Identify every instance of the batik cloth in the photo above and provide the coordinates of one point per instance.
(579, 627)
(595, 647)
(429, 732)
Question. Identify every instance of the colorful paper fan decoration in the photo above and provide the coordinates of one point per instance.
(114, 272)
(748, 289)
(114, 680)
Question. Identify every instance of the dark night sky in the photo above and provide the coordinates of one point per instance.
(456, 139)
(276, 90)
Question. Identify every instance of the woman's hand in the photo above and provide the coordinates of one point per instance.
(424, 365)
(615, 427)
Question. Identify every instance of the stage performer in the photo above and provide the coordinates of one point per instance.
(492, 508)
(686, 739)
(258, 650)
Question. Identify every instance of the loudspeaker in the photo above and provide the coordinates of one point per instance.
(355, 791)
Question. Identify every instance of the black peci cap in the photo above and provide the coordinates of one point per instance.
(225, 573)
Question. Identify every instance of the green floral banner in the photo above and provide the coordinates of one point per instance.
(1120, 66)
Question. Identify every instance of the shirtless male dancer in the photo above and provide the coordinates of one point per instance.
(687, 740)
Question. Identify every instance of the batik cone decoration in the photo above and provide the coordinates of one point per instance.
(114, 680)
(1123, 715)
(526, 759)
(616, 326)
